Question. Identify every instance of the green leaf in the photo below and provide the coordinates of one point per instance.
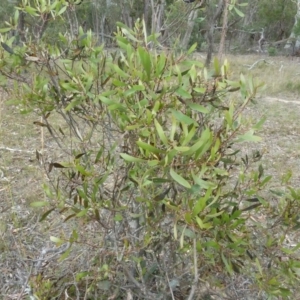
(227, 264)
(120, 72)
(82, 213)
(118, 217)
(238, 12)
(31, 11)
(62, 10)
(148, 147)
(146, 61)
(259, 124)
(160, 65)
(3, 30)
(116, 106)
(69, 217)
(56, 240)
(217, 67)
(188, 137)
(39, 204)
(65, 255)
(7, 48)
(201, 144)
(81, 275)
(153, 163)
(181, 149)
(159, 180)
(183, 93)
(106, 100)
(179, 179)
(259, 267)
(248, 137)
(161, 133)
(201, 203)
(198, 107)
(99, 155)
(129, 92)
(200, 90)
(182, 117)
(173, 128)
(82, 170)
(130, 158)
(46, 214)
(129, 34)
(192, 49)
(201, 224)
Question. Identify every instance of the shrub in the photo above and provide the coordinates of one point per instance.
(151, 156)
(272, 51)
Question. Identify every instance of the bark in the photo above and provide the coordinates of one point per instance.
(40, 27)
(224, 30)
(244, 37)
(158, 13)
(190, 26)
(261, 41)
(175, 26)
(96, 21)
(21, 27)
(294, 40)
(211, 31)
(147, 11)
(127, 19)
(73, 21)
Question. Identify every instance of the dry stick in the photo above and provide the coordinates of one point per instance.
(224, 31)
(171, 290)
(42, 137)
(25, 284)
(193, 289)
(255, 63)
(134, 281)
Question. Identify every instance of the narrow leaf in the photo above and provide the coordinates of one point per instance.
(182, 117)
(161, 133)
(46, 214)
(179, 179)
(130, 158)
(7, 48)
(148, 147)
(39, 204)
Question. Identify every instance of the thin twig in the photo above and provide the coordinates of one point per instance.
(193, 289)
(25, 284)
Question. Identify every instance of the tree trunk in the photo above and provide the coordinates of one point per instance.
(190, 26)
(21, 28)
(211, 31)
(158, 13)
(224, 30)
(73, 21)
(96, 21)
(147, 19)
(294, 40)
(244, 37)
(127, 19)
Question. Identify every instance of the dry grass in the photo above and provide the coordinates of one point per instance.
(21, 176)
(280, 74)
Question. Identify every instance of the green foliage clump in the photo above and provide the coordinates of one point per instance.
(151, 155)
(272, 51)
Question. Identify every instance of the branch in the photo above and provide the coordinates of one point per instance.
(137, 284)
(254, 64)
